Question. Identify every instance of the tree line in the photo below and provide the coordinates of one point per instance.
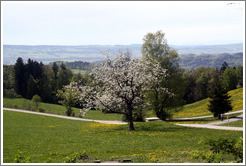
(80, 65)
(34, 78)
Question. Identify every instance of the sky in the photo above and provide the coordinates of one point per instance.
(122, 22)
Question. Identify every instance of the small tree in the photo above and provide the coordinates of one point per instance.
(69, 96)
(36, 100)
(220, 102)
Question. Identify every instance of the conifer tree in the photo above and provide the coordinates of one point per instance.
(220, 102)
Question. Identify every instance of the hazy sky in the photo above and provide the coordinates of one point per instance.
(122, 22)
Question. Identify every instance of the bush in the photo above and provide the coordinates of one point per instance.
(218, 148)
(36, 100)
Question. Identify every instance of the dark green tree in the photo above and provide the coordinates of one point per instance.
(48, 94)
(219, 102)
(32, 87)
(239, 72)
(55, 69)
(20, 77)
(223, 67)
(64, 76)
(229, 79)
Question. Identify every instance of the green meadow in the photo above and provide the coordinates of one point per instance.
(199, 108)
(42, 139)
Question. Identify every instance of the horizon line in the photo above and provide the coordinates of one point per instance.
(117, 44)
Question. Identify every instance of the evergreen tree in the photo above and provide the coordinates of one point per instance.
(220, 102)
(55, 69)
(223, 67)
(31, 87)
(20, 77)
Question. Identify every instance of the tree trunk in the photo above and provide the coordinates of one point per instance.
(131, 125)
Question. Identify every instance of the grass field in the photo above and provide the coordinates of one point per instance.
(48, 139)
(238, 123)
(56, 109)
(200, 108)
(22, 103)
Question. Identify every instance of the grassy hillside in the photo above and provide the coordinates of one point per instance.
(56, 109)
(200, 108)
(190, 110)
(48, 139)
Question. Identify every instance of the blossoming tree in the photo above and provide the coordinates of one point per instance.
(118, 85)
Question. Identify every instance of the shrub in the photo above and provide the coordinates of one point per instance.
(82, 113)
(218, 148)
(36, 100)
(74, 157)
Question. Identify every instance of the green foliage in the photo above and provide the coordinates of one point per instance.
(220, 102)
(239, 71)
(155, 47)
(9, 82)
(229, 79)
(74, 157)
(69, 96)
(19, 77)
(200, 83)
(64, 76)
(36, 100)
(219, 148)
(32, 87)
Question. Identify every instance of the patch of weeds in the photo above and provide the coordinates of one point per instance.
(21, 158)
(221, 150)
(75, 157)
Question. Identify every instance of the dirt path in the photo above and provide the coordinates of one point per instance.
(209, 125)
(193, 118)
(66, 117)
(213, 125)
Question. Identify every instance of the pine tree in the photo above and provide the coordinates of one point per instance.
(220, 102)
(20, 77)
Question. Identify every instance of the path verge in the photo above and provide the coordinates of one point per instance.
(66, 117)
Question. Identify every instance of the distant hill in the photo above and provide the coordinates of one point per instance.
(211, 60)
(92, 53)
